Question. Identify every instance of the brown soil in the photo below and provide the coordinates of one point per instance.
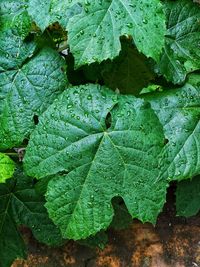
(173, 242)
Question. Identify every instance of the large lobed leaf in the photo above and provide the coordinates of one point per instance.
(105, 157)
(95, 34)
(29, 82)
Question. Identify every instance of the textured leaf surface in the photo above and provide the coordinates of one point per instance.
(28, 85)
(181, 54)
(95, 34)
(188, 197)
(46, 12)
(179, 113)
(103, 162)
(14, 16)
(21, 205)
(7, 167)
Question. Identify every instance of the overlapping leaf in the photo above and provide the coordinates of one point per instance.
(21, 205)
(14, 15)
(129, 72)
(188, 197)
(46, 12)
(181, 53)
(29, 82)
(179, 113)
(95, 34)
(7, 167)
(103, 160)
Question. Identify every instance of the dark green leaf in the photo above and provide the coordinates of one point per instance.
(188, 197)
(122, 219)
(129, 72)
(99, 240)
(21, 205)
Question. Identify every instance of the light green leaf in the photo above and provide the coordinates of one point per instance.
(181, 54)
(21, 205)
(95, 34)
(103, 160)
(46, 12)
(7, 167)
(28, 85)
(179, 112)
(14, 16)
(188, 197)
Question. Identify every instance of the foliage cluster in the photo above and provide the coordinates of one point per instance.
(99, 113)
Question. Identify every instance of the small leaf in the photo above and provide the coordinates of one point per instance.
(99, 240)
(179, 112)
(122, 219)
(188, 197)
(7, 167)
(105, 158)
(14, 16)
(181, 54)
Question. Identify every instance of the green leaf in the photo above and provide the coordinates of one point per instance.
(129, 72)
(122, 219)
(181, 54)
(179, 113)
(103, 160)
(7, 167)
(95, 34)
(46, 12)
(99, 240)
(28, 85)
(13, 50)
(14, 16)
(188, 197)
(21, 205)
